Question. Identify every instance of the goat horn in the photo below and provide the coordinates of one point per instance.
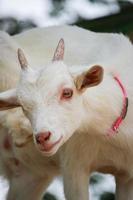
(22, 59)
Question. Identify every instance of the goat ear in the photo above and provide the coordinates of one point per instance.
(22, 59)
(59, 52)
(89, 78)
(8, 100)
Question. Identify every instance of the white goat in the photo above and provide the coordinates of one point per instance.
(58, 101)
(27, 171)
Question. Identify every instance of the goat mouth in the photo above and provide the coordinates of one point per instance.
(47, 147)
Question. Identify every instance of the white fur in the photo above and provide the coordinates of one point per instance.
(88, 115)
(31, 176)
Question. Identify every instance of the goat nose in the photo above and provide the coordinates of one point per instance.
(43, 137)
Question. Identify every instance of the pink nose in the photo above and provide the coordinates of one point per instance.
(43, 137)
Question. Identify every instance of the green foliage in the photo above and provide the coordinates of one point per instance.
(120, 22)
(95, 179)
(58, 6)
(107, 196)
(14, 26)
(99, 1)
(49, 196)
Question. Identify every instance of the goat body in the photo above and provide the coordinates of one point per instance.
(86, 116)
(28, 172)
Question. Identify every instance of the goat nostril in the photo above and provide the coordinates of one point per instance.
(43, 137)
(38, 139)
(47, 136)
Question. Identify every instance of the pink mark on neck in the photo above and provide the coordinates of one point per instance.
(115, 126)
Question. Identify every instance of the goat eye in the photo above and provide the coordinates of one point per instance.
(67, 93)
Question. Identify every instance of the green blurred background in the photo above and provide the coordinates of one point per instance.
(119, 20)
